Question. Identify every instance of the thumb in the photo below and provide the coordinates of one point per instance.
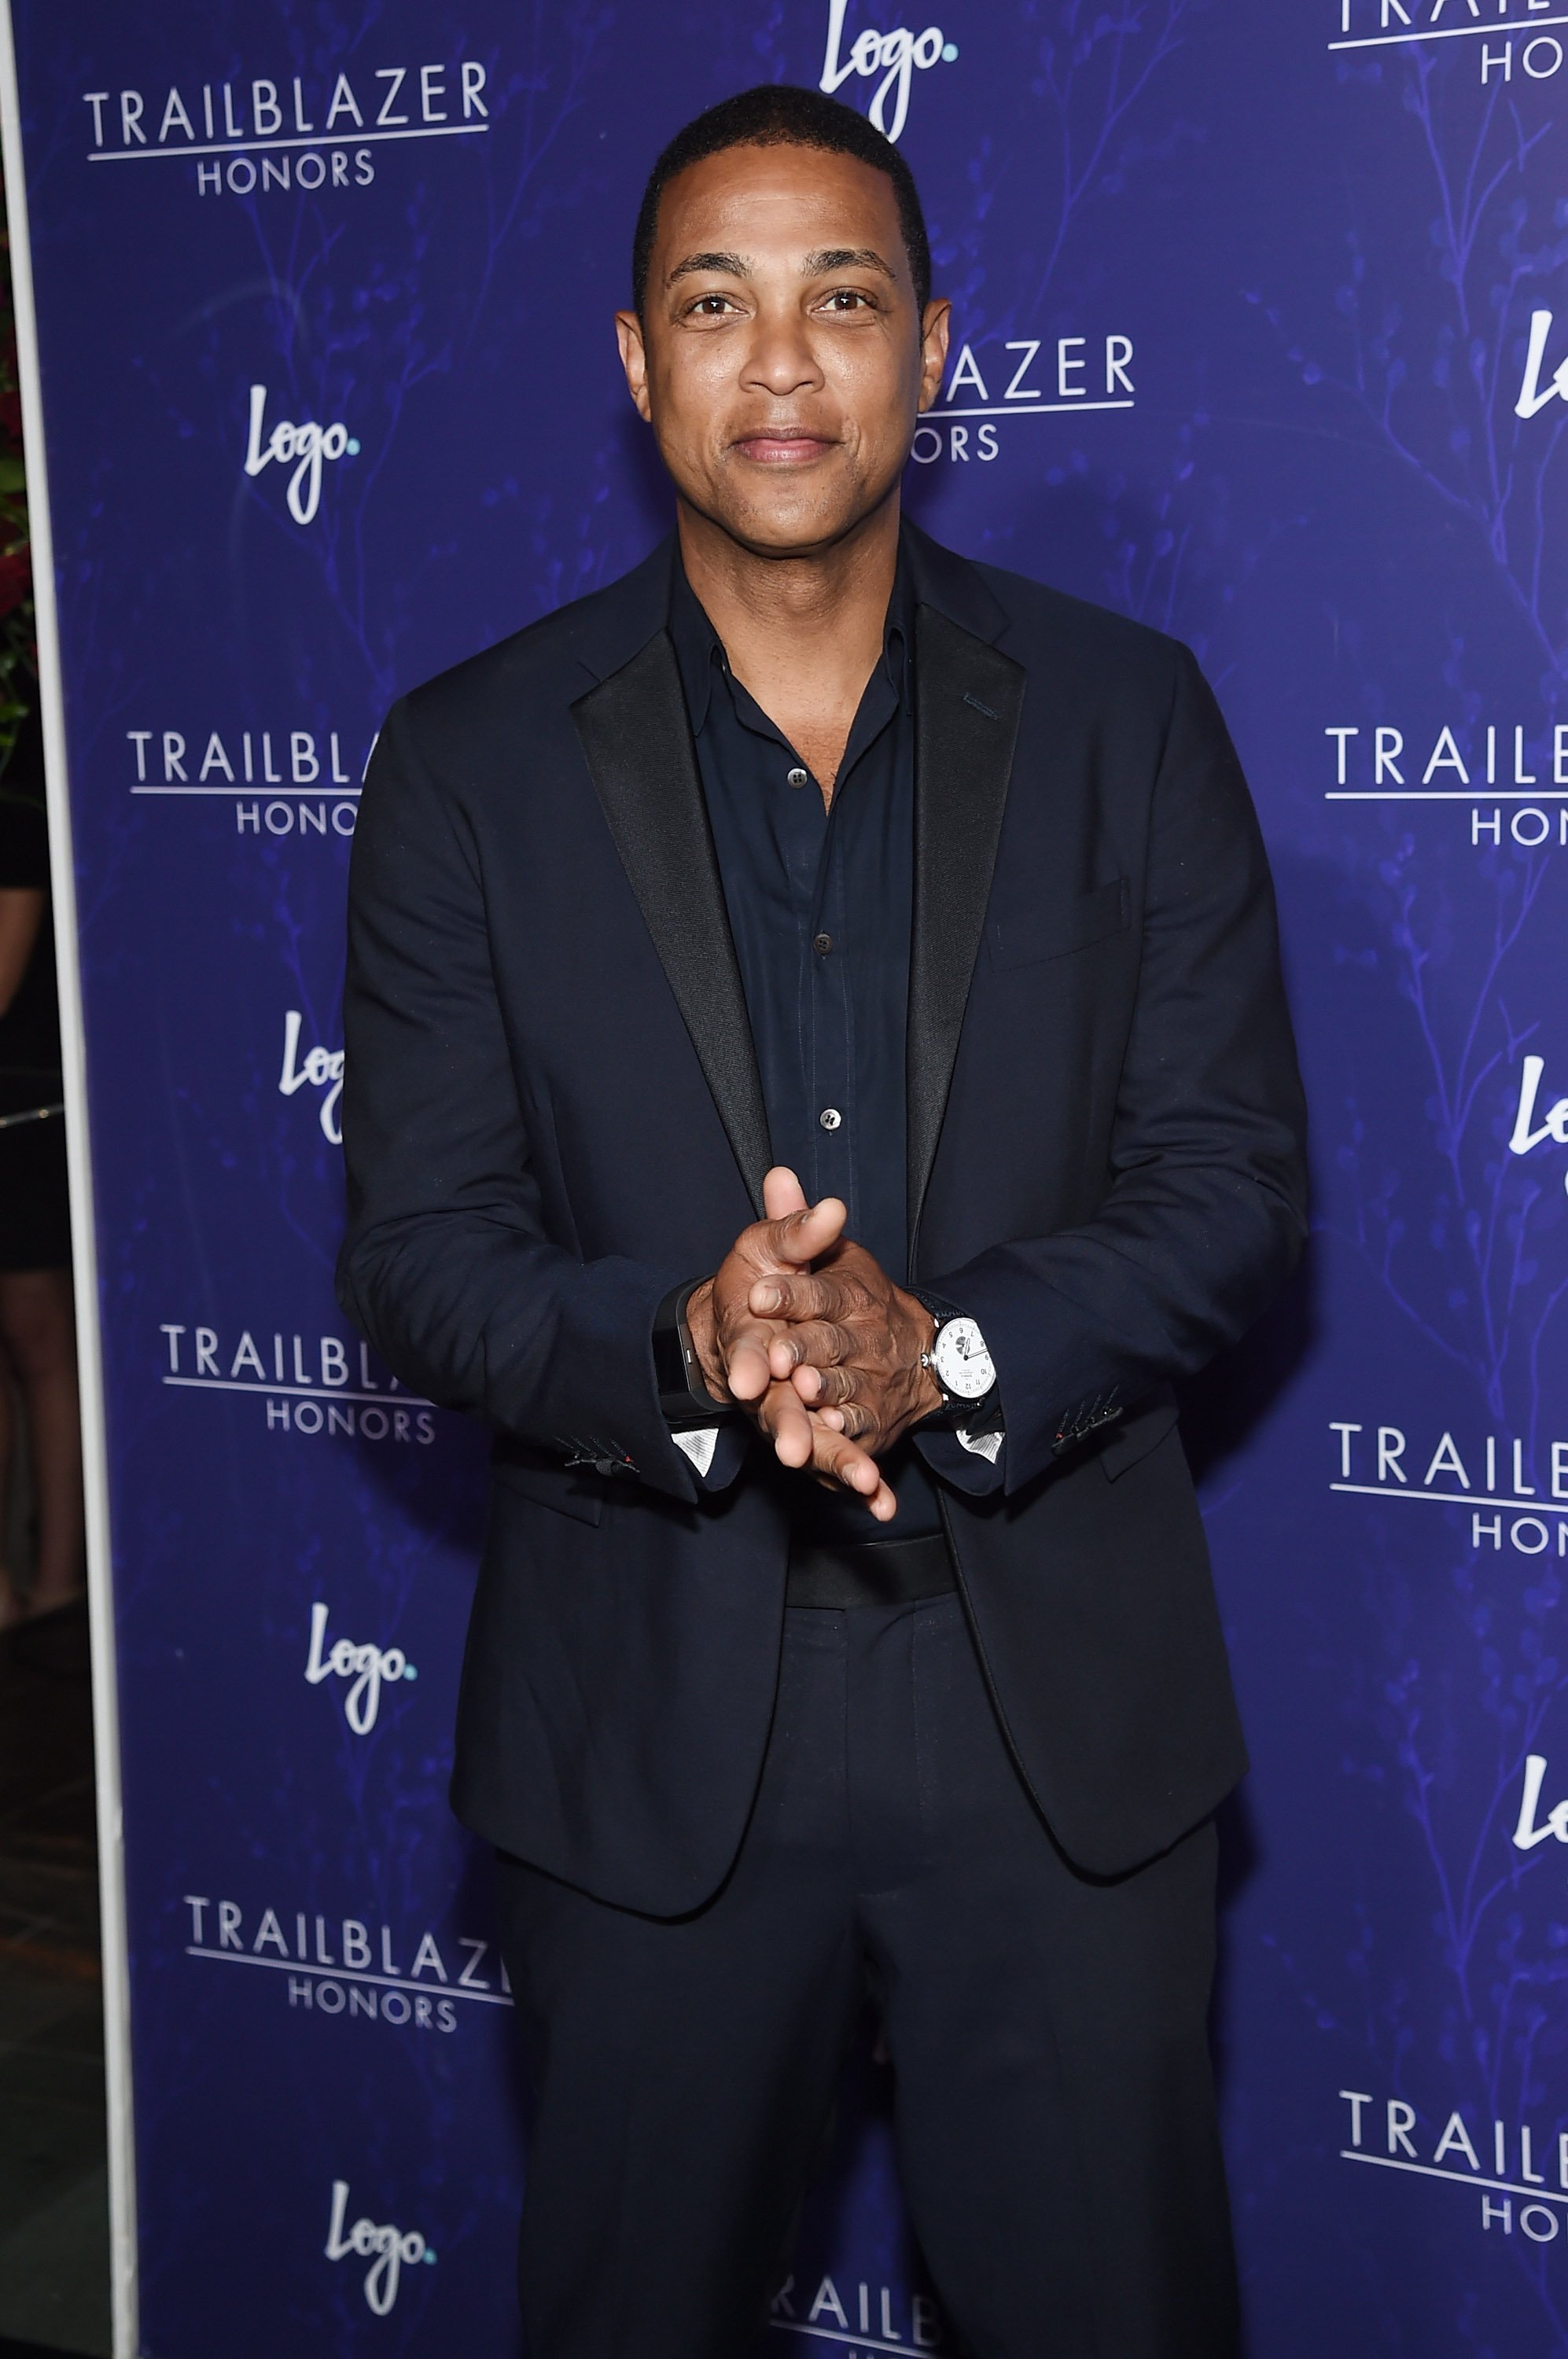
(781, 1192)
(802, 1236)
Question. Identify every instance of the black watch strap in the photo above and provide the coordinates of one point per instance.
(683, 1397)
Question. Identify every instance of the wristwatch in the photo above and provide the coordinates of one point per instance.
(962, 1367)
(684, 1400)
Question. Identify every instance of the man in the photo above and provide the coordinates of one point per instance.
(818, 1070)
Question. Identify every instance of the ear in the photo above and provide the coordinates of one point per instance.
(934, 329)
(633, 359)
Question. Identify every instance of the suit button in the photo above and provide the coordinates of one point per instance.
(830, 1117)
(798, 777)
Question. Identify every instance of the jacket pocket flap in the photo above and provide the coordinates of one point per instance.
(1047, 934)
(571, 1490)
(1139, 1432)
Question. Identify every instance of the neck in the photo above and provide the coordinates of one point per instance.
(803, 633)
(804, 599)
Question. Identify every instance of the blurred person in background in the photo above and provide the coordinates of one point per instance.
(37, 1347)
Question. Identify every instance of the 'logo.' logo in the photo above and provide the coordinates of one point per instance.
(307, 446)
(1528, 1134)
(366, 1666)
(1529, 1829)
(386, 2249)
(894, 56)
(1532, 396)
(323, 1068)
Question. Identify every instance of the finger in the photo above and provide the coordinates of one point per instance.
(819, 1343)
(820, 1388)
(845, 1463)
(814, 1294)
(747, 1372)
(788, 1426)
(781, 1192)
(860, 1423)
(836, 1454)
(797, 1237)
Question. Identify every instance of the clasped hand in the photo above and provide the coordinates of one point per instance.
(804, 1331)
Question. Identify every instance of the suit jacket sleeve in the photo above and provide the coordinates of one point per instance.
(1205, 1212)
(445, 1265)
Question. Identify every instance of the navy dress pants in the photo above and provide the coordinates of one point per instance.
(1054, 2103)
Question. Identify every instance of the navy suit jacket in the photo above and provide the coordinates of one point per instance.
(552, 1115)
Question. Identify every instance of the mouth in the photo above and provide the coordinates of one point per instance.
(782, 446)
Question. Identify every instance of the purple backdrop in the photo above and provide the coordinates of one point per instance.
(1256, 339)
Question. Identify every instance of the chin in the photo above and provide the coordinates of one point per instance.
(785, 527)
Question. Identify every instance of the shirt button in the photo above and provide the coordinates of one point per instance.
(798, 777)
(830, 1117)
(821, 942)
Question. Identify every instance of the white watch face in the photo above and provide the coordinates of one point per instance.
(964, 1366)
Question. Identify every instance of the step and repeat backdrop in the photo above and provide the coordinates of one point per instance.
(1261, 335)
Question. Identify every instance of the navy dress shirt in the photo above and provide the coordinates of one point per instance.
(820, 905)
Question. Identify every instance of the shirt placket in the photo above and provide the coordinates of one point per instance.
(805, 831)
(832, 1032)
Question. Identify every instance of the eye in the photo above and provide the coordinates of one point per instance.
(709, 307)
(849, 299)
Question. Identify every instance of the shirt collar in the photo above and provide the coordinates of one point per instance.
(699, 650)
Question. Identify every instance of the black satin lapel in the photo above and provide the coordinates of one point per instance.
(637, 739)
(968, 701)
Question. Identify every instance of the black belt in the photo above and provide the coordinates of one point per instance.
(869, 1572)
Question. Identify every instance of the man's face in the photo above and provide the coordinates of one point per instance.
(780, 359)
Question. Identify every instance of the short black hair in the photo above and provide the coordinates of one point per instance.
(783, 114)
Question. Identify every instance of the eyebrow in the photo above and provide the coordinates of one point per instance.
(827, 257)
(734, 266)
(845, 257)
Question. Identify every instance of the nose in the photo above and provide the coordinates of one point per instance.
(780, 360)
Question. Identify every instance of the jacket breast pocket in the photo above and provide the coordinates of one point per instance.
(1049, 933)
